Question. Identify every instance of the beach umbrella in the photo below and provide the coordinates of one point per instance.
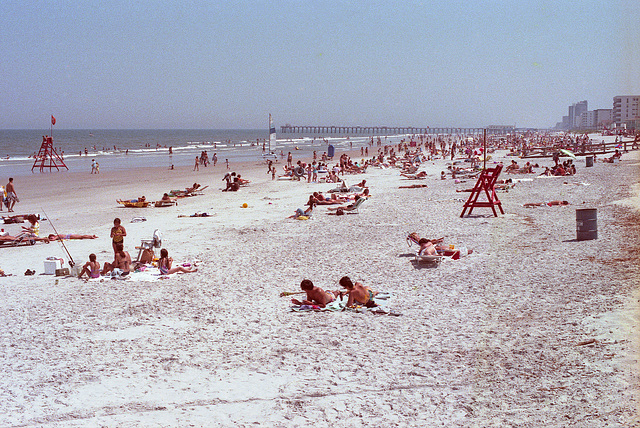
(568, 153)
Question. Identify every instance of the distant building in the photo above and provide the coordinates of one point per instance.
(573, 120)
(625, 110)
(578, 109)
(603, 117)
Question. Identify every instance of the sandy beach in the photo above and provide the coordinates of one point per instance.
(532, 329)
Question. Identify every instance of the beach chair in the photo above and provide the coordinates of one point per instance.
(486, 183)
(146, 247)
(435, 260)
(353, 209)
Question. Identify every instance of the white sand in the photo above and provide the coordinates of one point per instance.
(488, 340)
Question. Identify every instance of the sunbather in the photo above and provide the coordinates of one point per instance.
(307, 212)
(165, 262)
(547, 203)
(418, 176)
(315, 295)
(91, 268)
(426, 248)
(348, 207)
(53, 237)
(358, 293)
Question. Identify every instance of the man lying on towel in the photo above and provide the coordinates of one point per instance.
(315, 295)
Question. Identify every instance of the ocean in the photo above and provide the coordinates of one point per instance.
(118, 149)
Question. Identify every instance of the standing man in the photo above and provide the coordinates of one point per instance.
(93, 166)
(12, 196)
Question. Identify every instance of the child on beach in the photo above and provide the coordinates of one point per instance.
(91, 268)
(118, 233)
(315, 295)
(165, 262)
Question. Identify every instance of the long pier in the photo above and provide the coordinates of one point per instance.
(389, 130)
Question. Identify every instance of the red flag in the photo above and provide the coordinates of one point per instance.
(53, 120)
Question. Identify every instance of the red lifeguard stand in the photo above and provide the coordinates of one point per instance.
(486, 182)
(48, 157)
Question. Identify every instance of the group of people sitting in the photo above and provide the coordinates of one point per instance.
(357, 294)
(513, 168)
(233, 182)
(121, 265)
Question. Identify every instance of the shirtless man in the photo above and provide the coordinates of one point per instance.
(91, 268)
(122, 261)
(358, 293)
(315, 295)
(12, 196)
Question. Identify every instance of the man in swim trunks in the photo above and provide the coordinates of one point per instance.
(122, 261)
(91, 268)
(358, 293)
(315, 295)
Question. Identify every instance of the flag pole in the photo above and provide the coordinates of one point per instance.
(484, 150)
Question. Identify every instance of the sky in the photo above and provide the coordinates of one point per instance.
(228, 64)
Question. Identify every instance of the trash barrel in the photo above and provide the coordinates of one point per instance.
(586, 224)
(589, 160)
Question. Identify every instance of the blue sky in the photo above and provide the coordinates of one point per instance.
(202, 64)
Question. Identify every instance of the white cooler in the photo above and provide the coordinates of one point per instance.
(50, 266)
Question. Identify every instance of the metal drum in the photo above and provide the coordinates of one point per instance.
(586, 224)
(589, 160)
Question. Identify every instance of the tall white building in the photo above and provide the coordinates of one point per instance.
(625, 109)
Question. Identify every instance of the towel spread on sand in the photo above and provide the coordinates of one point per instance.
(339, 305)
(148, 274)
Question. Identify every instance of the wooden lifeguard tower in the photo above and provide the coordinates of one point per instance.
(48, 157)
(485, 184)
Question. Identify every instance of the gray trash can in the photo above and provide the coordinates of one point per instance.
(586, 224)
(589, 160)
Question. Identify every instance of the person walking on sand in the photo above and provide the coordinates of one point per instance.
(214, 158)
(196, 167)
(93, 166)
(12, 196)
(118, 233)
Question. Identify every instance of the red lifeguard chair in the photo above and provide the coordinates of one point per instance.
(48, 157)
(486, 182)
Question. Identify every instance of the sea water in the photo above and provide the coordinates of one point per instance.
(125, 149)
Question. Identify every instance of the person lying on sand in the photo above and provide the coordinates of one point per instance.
(165, 262)
(315, 295)
(196, 215)
(59, 237)
(91, 268)
(413, 186)
(418, 176)
(358, 293)
(348, 207)
(549, 204)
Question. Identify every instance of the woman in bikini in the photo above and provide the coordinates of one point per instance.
(165, 262)
(91, 268)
